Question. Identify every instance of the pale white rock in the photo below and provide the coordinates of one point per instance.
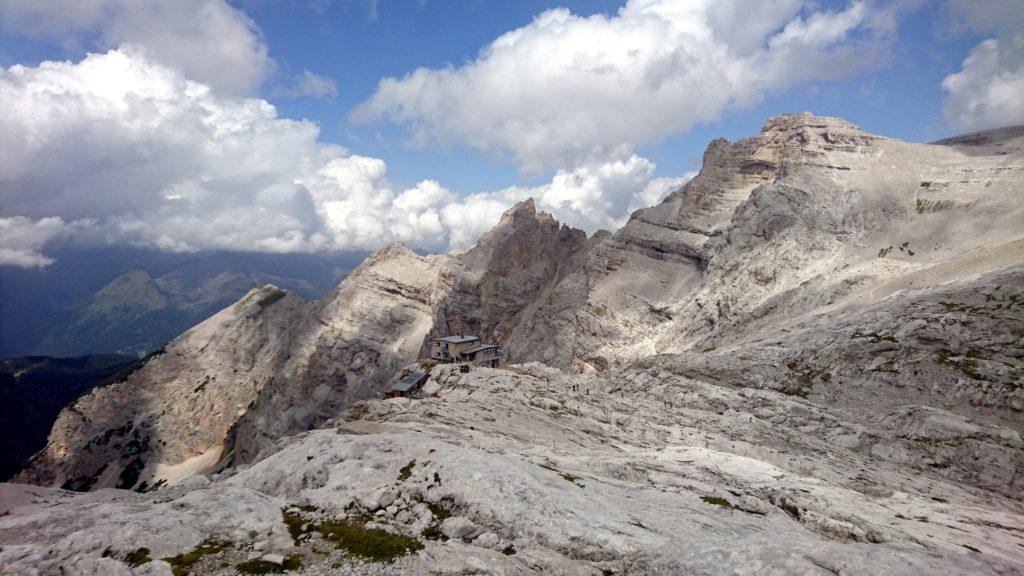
(273, 558)
(430, 388)
(486, 540)
(460, 528)
(154, 568)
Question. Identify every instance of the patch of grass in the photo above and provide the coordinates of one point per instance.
(182, 563)
(948, 306)
(440, 512)
(352, 536)
(405, 471)
(873, 336)
(803, 382)
(925, 184)
(264, 567)
(369, 544)
(433, 532)
(294, 522)
(137, 557)
(718, 502)
(964, 364)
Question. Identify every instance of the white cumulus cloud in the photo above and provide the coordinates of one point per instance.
(314, 85)
(208, 40)
(988, 91)
(118, 148)
(566, 90)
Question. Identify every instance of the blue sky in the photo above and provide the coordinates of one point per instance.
(432, 159)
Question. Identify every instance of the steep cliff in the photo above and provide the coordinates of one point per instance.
(493, 286)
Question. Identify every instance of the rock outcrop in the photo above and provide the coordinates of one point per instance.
(493, 286)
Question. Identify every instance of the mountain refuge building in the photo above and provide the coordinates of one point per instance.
(464, 348)
(485, 354)
(407, 386)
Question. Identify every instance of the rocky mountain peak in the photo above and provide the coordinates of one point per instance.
(525, 207)
(807, 121)
(396, 249)
(522, 213)
(527, 252)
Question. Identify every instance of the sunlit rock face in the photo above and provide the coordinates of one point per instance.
(806, 360)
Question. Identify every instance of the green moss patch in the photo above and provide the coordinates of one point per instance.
(873, 336)
(717, 501)
(406, 471)
(137, 557)
(440, 512)
(182, 563)
(352, 536)
(964, 364)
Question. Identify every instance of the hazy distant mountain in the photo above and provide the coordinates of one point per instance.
(33, 390)
(132, 301)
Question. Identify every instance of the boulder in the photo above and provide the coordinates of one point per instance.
(273, 559)
(487, 540)
(459, 528)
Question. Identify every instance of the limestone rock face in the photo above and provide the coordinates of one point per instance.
(774, 226)
(492, 286)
